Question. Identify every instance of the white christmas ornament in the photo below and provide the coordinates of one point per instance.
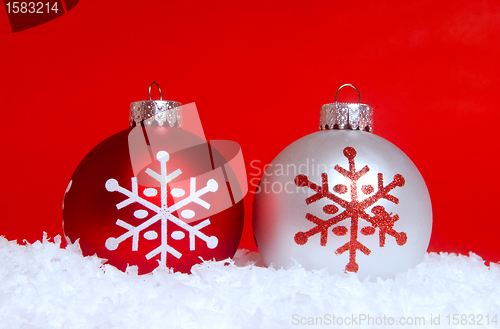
(343, 199)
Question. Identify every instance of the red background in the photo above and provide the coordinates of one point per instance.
(259, 72)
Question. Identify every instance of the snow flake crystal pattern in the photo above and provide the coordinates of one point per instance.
(163, 213)
(353, 209)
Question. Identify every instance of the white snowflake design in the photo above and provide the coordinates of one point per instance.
(163, 213)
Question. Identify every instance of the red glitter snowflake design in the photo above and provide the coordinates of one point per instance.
(353, 209)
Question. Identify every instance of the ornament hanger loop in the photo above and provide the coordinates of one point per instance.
(159, 89)
(337, 93)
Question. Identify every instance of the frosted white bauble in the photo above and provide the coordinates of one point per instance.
(345, 200)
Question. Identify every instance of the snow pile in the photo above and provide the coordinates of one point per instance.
(44, 286)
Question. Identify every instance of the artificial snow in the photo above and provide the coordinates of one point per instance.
(45, 286)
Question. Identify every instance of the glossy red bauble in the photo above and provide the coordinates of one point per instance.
(169, 213)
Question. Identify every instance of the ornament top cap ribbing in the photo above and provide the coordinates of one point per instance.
(354, 116)
(159, 111)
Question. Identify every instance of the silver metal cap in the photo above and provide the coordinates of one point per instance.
(354, 116)
(158, 111)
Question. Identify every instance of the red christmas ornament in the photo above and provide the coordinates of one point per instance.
(155, 195)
